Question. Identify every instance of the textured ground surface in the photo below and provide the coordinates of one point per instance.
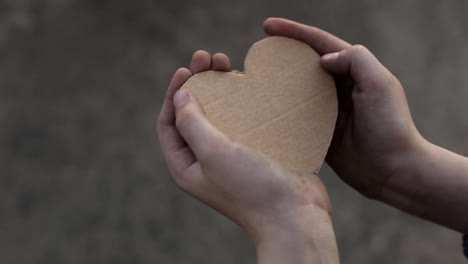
(81, 81)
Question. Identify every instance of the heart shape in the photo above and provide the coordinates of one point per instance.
(284, 105)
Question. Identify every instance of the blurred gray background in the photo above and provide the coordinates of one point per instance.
(82, 179)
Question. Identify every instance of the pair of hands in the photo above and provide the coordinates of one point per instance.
(374, 139)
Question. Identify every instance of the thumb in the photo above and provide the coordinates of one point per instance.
(202, 137)
(360, 64)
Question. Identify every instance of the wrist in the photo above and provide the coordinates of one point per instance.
(409, 178)
(401, 165)
(433, 187)
(305, 236)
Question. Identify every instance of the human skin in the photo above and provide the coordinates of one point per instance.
(376, 147)
(286, 215)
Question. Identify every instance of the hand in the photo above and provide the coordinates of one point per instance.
(375, 137)
(281, 211)
(376, 147)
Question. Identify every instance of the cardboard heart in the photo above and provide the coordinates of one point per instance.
(284, 105)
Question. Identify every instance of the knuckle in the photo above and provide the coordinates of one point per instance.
(359, 49)
(356, 52)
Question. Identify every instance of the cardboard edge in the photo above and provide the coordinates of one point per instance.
(269, 39)
(246, 70)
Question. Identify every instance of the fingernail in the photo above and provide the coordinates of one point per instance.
(181, 98)
(331, 56)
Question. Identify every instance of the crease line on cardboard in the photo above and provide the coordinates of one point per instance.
(246, 87)
(250, 130)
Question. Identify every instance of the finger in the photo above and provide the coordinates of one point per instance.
(174, 148)
(321, 41)
(345, 85)
(201, 61)
(167, 114)
(359, 63)
(202, 137)
(221, 62)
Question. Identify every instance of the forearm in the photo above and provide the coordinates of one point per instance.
(308, 238)
(433, 186)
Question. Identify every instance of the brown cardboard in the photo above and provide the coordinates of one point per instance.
(284, 104)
